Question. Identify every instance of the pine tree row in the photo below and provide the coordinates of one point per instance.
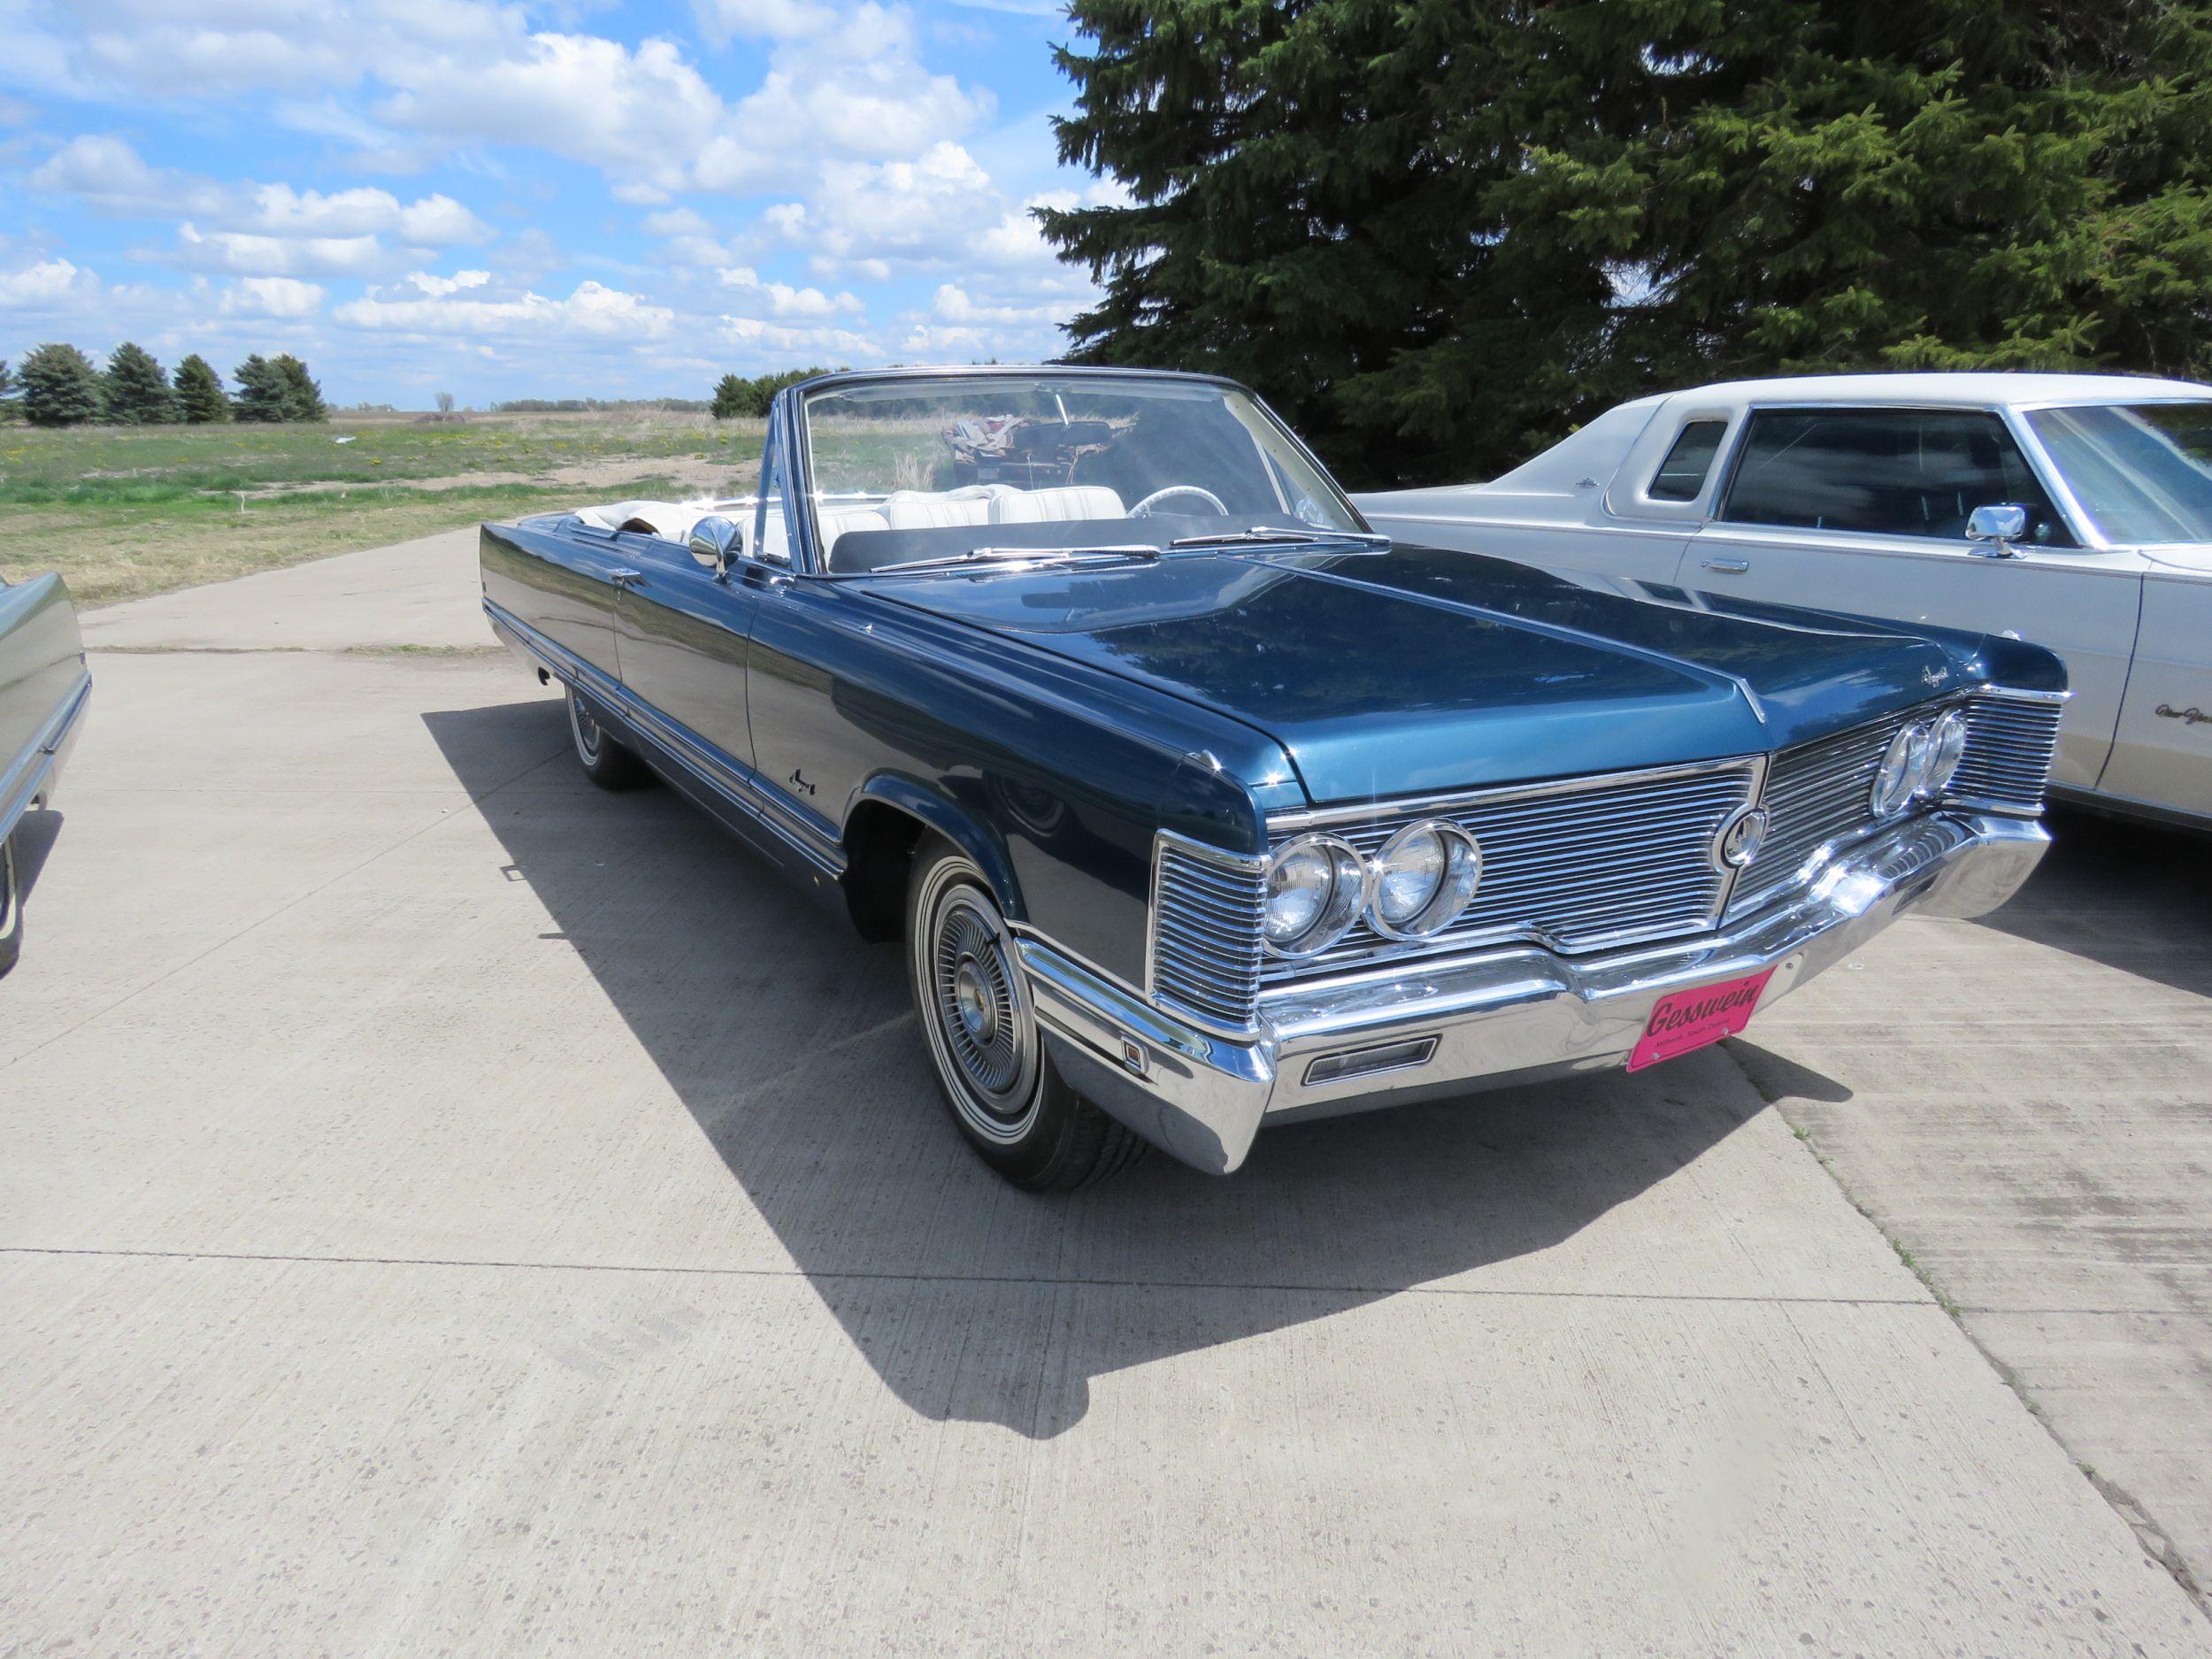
(58, 386)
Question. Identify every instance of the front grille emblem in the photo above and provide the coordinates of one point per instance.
(1739, 838)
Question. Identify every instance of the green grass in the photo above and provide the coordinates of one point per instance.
(123, 512)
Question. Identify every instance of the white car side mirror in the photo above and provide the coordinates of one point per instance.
(1998, 528)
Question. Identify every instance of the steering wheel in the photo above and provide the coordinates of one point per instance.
(1143, 509)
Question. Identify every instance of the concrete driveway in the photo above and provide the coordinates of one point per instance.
(447, 1208)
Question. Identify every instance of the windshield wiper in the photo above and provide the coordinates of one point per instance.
(1260, 532)
(979, 555)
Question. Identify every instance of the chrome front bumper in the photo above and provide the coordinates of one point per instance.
(1452, 1026)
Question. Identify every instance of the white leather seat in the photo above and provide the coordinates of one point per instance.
(912, 510)
(1040, 506)
(832, 522)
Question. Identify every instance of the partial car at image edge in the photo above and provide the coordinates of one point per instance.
(1196, 807)
(44, 691)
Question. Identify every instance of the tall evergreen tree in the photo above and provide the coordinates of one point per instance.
(261, 390)
(302, 398)
(60, 387)
(135, 391)
(200, 391)
(1438, 234)
(8, 393)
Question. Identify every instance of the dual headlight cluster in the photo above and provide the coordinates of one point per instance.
(1921, 761)
(1409, 888)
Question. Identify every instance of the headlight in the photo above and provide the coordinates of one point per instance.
(1950, 748)
(1421, 878)
(1314, 887)
(1904, 771)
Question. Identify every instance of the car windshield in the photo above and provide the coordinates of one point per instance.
(2142, 472)
(958, 471)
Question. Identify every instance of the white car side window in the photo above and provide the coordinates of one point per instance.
(1883, 472)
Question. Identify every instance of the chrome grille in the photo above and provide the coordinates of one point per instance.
(1205, 957)
(1596, 863)
(2009, 745)
(1816, 794)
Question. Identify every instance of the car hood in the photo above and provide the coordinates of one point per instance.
(1392, 675)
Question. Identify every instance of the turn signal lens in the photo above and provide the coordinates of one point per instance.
(1314, 887)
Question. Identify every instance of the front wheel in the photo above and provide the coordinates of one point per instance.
(605, 761)
(972, 999)
(11, 907)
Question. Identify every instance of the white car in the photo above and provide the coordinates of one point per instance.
(2074, 510)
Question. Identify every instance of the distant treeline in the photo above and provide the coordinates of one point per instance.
(58, 386)
(594, 405)
(737, 398)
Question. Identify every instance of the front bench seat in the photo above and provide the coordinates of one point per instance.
(1055, 506)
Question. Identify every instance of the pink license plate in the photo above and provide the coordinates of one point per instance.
(1685, 1020)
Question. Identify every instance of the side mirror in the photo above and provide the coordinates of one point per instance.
(1997, 526)
(718, 543)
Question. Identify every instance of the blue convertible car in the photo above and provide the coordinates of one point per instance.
(1199, 807)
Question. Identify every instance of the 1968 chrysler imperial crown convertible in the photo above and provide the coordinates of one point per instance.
(1200, 807)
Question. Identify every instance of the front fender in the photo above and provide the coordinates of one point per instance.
(983, 843)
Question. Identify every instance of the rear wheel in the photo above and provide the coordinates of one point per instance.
(605, 761)
(11, 907)
(972, 999)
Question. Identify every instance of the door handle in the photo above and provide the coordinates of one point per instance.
(1728, 567)
(627, 579)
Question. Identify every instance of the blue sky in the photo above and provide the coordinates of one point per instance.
(532, 200)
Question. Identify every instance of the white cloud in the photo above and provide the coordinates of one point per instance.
(783, 300)
(636, 113)
(691, 239)
(787, 340)
(438, 287)
(766, 20)
(248, 255)
(593, 309)
(954, 305)
(110, 177)
(50, 285)
(271, 296)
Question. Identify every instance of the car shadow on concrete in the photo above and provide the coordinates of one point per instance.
(792, 1045)
(2113, 890)
(36, 833)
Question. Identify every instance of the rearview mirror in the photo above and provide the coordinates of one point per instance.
(1999, 526)
(718, 543)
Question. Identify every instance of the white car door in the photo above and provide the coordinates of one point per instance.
(2162, 754)
(1863, 510)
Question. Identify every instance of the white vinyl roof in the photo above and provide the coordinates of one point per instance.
(1982, 388)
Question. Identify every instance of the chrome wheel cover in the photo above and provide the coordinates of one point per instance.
(585, 728)
(976, 1009)
(10, 901)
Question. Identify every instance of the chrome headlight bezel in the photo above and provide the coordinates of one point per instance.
(1457, 883)
(1339, 908)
